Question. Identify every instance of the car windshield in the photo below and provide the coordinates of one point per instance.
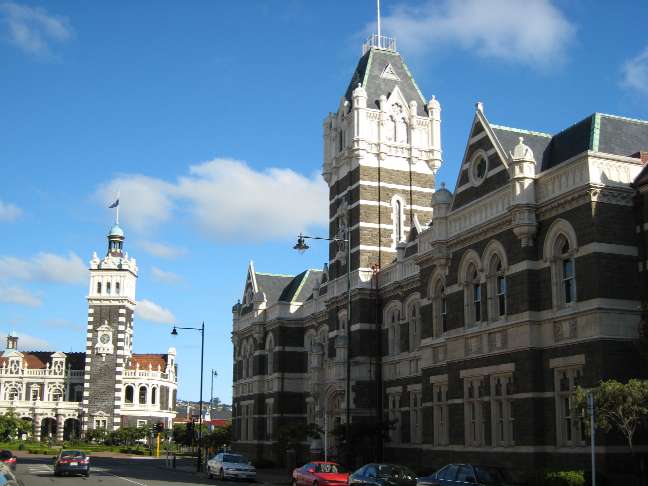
(5, 455)
(487, 474)
(236, 458)
(329, 468)
(395, 471)
(72, 454)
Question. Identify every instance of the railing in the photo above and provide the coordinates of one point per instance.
(159, 375)
(397, 271)
(380, 42)
(61, 405)
(48, 372)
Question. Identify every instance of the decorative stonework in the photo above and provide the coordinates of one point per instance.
(564, 330)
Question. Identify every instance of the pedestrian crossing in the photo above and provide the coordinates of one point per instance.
(40, 469)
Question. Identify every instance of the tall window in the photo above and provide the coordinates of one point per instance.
(496, 288)
(142, 394)
(501, 415)
(569, 418)
(12, 393)
(474, 412)
(270, 354)
(250, 422)
(398, 215)
(57, 395)
(414, 326)
(98, 287)
(269, 420)
(153, 396)
(416, 427)
(473, 296)
(399, 220)
(108, 288)
(439, 310)
(560, 250)
(567, 271)
(440, 411)
(128, 394)
(392, 321)
(394, 414)
(250, 359)
(117, 289)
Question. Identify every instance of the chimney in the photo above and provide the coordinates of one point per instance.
(12, 341)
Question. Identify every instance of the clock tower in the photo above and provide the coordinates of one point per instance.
(111, 304)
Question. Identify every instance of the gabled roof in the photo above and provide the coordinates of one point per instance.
(508, 138)
(301, 287)
(369, 73)
(37, 360)
(272, 285)
(144, 360)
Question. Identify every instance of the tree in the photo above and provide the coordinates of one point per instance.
(219, 437)
(11, 426)
(294, 435)
(618, 406)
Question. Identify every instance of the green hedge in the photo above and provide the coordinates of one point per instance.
(564, 478)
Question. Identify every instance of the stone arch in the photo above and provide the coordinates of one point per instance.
(469, 257)
(558, 227)
(392, 316)
(71, 428)
(413, 317)
(48, 428)
(269, 349)
(142, 394)
(129, 393)
(494, 247)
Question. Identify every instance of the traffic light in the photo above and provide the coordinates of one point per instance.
(159, 427)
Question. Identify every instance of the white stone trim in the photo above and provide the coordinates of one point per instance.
(567, 361)
(439, 378)
(488, 370)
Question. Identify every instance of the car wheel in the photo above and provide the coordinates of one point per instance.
(87, 474)
(221, 475)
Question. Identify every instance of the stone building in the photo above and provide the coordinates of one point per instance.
(474, 312)
(108, 386)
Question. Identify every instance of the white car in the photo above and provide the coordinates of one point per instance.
(225, 465)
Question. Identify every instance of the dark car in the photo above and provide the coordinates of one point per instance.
(461, 474)
(8, 459)
(72, 462)
(7, 477)
(382, 475)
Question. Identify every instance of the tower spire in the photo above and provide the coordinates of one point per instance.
(378, 21)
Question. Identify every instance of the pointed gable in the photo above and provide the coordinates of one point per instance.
(379, 71)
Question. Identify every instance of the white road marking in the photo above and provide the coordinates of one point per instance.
(125, 479)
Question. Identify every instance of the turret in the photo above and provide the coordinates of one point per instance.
(522, 171)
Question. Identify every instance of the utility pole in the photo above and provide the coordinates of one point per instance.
(590, 409)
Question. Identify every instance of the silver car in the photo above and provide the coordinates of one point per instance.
(225, 465)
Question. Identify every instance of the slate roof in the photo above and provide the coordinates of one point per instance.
(368, 72)
(598, 132)
(272, 285)
(37, 360)
(145, 359)
(288, 288)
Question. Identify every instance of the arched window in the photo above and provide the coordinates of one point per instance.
(153, 395)
(117, 289)
(566, 270)
(128, 394)
(342, 322)
(143, 392)
(108, 288)
(251, 359)
(439, 309)
(496, 288)
(12, 393)
(398, 216)
(57, 395)
(98, 287)
(414, 325)
(392, 322)
(269, 348)
(472, 295)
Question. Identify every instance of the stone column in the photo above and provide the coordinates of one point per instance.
(60, 426)
(37, 428)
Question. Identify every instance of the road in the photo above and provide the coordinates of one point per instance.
(108, 471)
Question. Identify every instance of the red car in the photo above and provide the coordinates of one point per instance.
(320, 473)
(7, 458)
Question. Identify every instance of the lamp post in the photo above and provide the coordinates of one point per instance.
(200, 329)
(211, 399)
(301, 246)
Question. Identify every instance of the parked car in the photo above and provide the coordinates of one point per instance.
(382, 475)
(8, 459)
(461, 474)
(7, 477)
(320, 473)
(72, 462)
(226, 465)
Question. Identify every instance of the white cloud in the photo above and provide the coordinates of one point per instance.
(164, 276)
(64, 323)
(635, 73)
(9, 212)
(28, 343)
(532, 32)
(32, 28)
(162, 250)
(150, 311)
(18, 296)
(45, 267)
(227, 199)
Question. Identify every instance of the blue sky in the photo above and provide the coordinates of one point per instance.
(207, 117)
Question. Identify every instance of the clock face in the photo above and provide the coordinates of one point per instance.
(104, 338)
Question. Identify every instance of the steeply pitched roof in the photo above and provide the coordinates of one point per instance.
(144, 360)
(272, 285)
(508, 138)
(301, 287)
(37, 360)
(369, 73)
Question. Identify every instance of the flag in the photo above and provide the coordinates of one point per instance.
(115, 204)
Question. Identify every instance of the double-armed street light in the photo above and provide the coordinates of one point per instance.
(301, 247)
(200, 329)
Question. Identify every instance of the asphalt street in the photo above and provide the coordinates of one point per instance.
(108, 471)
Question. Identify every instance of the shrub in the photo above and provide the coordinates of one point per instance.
(564, 478)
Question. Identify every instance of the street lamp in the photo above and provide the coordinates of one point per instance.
(301, 247)
(211, 399)
(200, 329)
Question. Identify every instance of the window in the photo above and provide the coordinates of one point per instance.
(143, 392)
(250, 359)
(496, 288)
(449, 472)
(569, 418)
(342, 322)
(57, 395)
(465, 473)
(501, 415)
(567, 271)
(128, 395)
(101, 423)
(250, 424)
(78, 393)
(478, 168)
(108, 288)
(474, 412)
(416, 428)
(268, 420)
(392, 321)
(12, 393)
(414, 326)
(141, 423)
(98, 287)
(35, 393)
(117, 289)
(440, 412)
(394, 414)
(270, 354)
(398, 216)
(153, 395)
(439, 310)
(560, 249)
(473, 296)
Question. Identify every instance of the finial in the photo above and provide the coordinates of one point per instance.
(480, 106)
